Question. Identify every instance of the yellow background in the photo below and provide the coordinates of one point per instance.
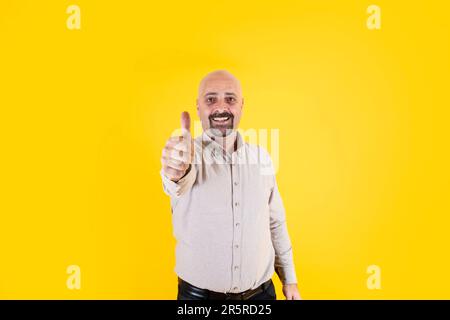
(363, 119)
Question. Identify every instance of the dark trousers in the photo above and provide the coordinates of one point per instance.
(187, 291)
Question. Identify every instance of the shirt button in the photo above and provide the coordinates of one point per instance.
(237, 224)
(235, 183)
(236, 267)
(236, 204)
(235, 288)
(236, 246)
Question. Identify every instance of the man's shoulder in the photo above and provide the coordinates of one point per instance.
(257, 154)
(258, 150)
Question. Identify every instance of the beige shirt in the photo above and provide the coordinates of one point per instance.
(229, 220)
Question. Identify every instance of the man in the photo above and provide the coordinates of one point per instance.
(227, 213)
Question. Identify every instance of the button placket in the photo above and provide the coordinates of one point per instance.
(236, 248)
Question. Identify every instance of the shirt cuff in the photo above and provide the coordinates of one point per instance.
(177, 189)
(287, 275)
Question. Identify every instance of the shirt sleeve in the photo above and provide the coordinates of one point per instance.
(284, 260)
(177, 189)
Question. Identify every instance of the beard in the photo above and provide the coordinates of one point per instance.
(221, 124)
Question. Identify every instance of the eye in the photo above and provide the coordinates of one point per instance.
(231, 100)
(210, 100)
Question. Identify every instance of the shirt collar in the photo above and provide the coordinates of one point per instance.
(217, 152)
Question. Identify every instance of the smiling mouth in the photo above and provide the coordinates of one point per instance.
(221, 118)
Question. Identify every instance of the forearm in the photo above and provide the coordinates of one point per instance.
(284, 259)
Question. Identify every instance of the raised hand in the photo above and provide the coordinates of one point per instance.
(178, 152)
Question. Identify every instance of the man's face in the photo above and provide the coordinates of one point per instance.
(219, 104)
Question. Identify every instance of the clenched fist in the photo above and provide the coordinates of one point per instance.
(178, 152)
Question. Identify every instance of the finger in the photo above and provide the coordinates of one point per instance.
(181, 146)
(179, 155)
(176, 139)
(185, 122)
(175, 164)
(173, 174)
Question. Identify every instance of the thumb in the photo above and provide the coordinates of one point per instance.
(185, 122)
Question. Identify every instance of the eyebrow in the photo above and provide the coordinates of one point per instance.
(215, 94)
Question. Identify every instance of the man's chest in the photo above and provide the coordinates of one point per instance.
(230, 187)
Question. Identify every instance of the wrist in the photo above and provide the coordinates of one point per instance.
(185, 174)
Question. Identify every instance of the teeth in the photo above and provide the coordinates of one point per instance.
(221, 118)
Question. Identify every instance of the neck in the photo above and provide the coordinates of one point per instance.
(227, 142)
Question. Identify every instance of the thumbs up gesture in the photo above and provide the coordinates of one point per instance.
(178, 152)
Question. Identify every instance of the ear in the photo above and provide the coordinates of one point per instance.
(198, 111)
(242, 105)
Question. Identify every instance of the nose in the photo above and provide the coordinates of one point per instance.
(221, 107)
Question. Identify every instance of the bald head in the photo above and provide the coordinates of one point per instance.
(220, 94)
(223, 77)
